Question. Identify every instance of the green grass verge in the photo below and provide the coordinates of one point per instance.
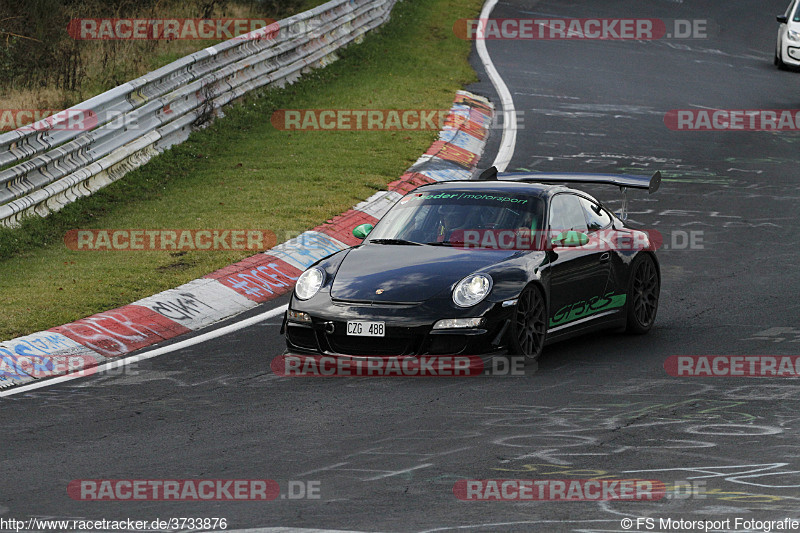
(243, 173)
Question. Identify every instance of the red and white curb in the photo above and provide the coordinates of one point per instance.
(96, 340)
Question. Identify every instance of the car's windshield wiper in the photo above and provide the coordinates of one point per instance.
(394, 241)
(441, 243)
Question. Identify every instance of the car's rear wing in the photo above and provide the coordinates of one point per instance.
(650, 184)
(623, 181)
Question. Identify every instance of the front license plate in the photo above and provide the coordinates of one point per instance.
(366, 329)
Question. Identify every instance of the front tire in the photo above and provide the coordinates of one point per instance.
(779, 60)
(643, 294)
(529, 325)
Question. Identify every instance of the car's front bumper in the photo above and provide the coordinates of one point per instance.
(791, 52)
(409, 331)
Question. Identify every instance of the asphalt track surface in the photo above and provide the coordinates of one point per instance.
(386, 452)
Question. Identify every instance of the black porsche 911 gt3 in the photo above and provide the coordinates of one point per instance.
(504, 264)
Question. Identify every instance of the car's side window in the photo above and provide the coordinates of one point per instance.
(596, 217)
(566, 214)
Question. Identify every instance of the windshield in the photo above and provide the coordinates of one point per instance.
(457, 217)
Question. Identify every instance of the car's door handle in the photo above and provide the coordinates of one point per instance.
(605, 257)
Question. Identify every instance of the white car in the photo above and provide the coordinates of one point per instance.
(787, 49)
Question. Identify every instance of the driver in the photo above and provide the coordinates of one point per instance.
(528, 234)
(451, 218)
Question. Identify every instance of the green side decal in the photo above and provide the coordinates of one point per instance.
(589, 307)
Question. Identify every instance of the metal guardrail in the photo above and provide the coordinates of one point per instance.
(49, 165)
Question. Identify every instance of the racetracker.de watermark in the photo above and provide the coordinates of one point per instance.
(47, 119)
(733, 119)
(363, 119)
(448, 366)
(525, 239)
(599, 240)
(148, 240)
(581, 29)
(39, 367)
(16, 368)
(384, 120)
(125, 29)
(558, 490)
(191, 490)
(754, 366)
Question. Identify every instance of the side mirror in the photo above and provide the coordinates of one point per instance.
(783, 19)
(362, 231)
(570, 239)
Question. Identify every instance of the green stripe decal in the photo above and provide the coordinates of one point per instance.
(584, 308)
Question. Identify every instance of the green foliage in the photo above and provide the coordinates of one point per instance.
(36, 50)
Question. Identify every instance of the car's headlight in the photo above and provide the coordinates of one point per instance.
(793, 35)
(309, 283)
(472, 290)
